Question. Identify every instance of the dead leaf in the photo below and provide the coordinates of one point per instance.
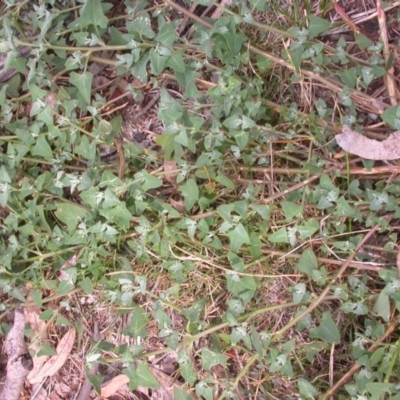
(38, 327)
(356, 143)
(39, 393)
(56, 362)
(171, 172)
(179, 205)
(112, 386)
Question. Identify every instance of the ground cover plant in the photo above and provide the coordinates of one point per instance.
(177, 219)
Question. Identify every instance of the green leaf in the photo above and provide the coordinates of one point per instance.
(306, 389)
(92, 14)
(291, 210)
(392, 117)
(235, 42)
(190, 192)
(209, 359)
(141, 26)
(71, 215)
(4, 175)
(186, 367)
(145, 377)
(280, 236)
(86, 285)
(83, 82)
(86, 149)
(138, 324)
(349, 76)
(382, 306)
(362, 41)
(193, 313)
(317, 26)
(46, 350)
(181, 394)
(307, 262)
(238, 236)
(255, 340)
(308, 229)
(327, 330)
(176, 62)
(262, 210)
(148, 181)
(157, 61)
(223, 180)
(296, 56)
(166, 35)
(42, 148)
(313, 348)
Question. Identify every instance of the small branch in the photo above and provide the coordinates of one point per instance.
(19, 360)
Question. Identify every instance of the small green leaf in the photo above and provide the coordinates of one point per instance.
(194, 312)
(71, 215)
(296, 56)
(255, 340)
(176, 62)
(157, 61)
(92, 14)
(306, 389)
(190, 192)
(86, 285)
(42, 148)
(307, 262)
(186, 367)
(46, 350)
(362, 41)
(86, 149)
(317, 26)
(238, 236)
(327, 330)
(145, 377)
(280, 236)
(83, 82)
(262, 210)
(291, 210)
(141, 26)
(223, 180)
(392, 117)
(138, 324)
(181, 394)
(308, 229)
(148, 181)
(166, 35)
(382, 306)
(209, 359)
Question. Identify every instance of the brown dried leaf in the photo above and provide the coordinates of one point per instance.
(113, 385)
(56, 362)
(179, 205)
(39, 334)
(170, 170)
(356, 143)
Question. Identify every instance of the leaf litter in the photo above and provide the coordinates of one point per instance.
(356, 143)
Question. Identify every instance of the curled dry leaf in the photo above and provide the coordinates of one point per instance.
(356, 143)
(56, 362)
